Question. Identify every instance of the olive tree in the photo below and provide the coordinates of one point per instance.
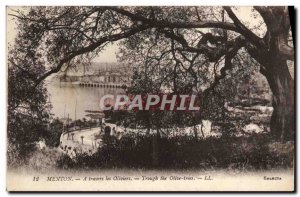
(54, 38)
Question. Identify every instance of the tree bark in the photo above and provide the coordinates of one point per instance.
(282, 123)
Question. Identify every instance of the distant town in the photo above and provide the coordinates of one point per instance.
(112, 75)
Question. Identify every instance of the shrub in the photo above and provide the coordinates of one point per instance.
(184, 152)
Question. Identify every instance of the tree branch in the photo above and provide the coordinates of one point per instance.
(243, 29)
(213, 53)
(90, 48)
(168, 24)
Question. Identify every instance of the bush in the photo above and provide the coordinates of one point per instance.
(184, 152)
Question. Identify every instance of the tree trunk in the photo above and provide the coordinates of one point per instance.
(155, 149)
(195, 128)
(195, 132)
(282, 123)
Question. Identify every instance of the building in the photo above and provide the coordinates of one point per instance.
(100, 74)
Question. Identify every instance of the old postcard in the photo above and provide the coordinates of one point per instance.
(150, 98)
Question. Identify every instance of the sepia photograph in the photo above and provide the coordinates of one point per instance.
(150, 98)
